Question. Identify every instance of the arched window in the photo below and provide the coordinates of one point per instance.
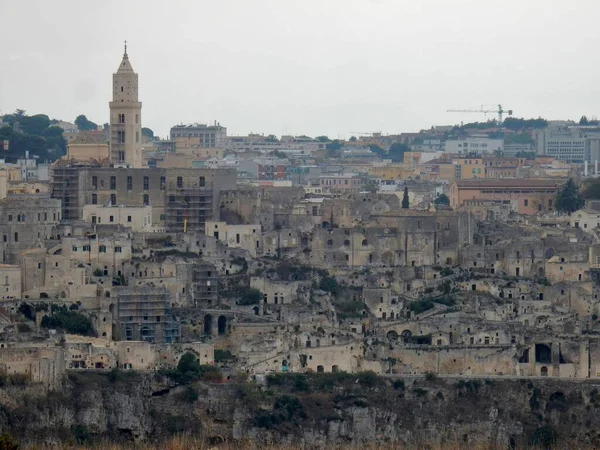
(330, 242)
(146, 199)
(202, 182)
(365, 243)
(347, 243)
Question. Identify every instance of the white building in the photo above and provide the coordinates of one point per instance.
(479, 145)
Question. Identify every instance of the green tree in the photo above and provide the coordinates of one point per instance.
(353, 139)
(405, 201)
(568, 198)
(83, 124)
(250, 296)
(396, 152)
(377, 150)
(330, 284)
(442, 199)
(584, 120)
(322, 138)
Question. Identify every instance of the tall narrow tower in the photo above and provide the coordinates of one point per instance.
(125, 117)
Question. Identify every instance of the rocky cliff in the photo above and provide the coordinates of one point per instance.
(319, 410)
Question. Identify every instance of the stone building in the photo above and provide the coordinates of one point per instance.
(27, 221)
(181, 199)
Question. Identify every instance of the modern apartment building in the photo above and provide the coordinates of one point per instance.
(204, 135)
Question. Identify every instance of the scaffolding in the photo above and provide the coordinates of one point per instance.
(65, 187)
(205, 285)
(145, 315)
(187, 209)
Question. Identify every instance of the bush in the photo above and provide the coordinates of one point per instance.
(330, 284)
(189, 394)
(543, 437)
(249, 297)
(399, 385)
(98, 273)
(189, 370)
(23, 328)
(446, 272)
(430, 376)
(8, 443)
(420, 306)
(70, 321)
(223, 355)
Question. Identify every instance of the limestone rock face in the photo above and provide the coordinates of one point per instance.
(138, 408)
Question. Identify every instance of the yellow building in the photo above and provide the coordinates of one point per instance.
(391, 172)
(468, 168)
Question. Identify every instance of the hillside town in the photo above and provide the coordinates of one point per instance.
(469, 249)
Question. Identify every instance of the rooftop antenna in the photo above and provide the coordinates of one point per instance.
(125, 47)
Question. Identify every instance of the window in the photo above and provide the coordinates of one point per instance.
(87, 248)
(146, 199)
(95, 182)
(202, 182)
(113, 183)
(146, 183)
(137, 118)
(179, 182)
(121, 116)
(525, 202)
(118, 249)
(102, 249)
(111, 219)
(16, 237)
(137, 136)
(74, 248)
(162, 183)
(94, 199)
(10, 217)
(162, 217)
(121, 137)
(129, 183)
(171, 198)
(113, 199)
(128, 218)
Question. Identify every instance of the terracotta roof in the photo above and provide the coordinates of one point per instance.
(508, 183)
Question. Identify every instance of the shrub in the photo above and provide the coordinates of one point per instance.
(23, 328)
(430, 376)
(189, 394)
(399, 385)
(420, 306)
(330, 284)
(189, 369)
(250, 296)
(222, 355)
(70, 321)
(446, 271)
(543, 437)
(8, 443)
(98, 273)
(367, 379)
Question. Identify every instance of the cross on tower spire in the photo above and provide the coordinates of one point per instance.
(125, 54)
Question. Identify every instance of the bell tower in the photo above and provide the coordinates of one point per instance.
(125, 117)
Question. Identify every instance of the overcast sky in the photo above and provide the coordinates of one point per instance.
(303, 66)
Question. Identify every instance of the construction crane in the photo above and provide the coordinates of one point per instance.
(499, 110)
